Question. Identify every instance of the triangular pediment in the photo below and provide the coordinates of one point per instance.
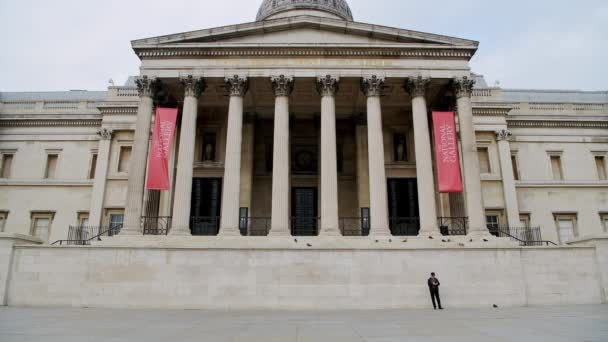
(304, 30)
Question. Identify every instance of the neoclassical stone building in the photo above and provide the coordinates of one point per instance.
(305, 122)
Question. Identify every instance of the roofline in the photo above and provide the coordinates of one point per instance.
(268, 25)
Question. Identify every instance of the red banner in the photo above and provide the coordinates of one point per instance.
(446, 150)
(162, 138)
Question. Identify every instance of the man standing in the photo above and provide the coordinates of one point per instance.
(434, 288)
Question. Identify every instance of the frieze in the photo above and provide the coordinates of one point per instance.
(556, 124)
(51, 123)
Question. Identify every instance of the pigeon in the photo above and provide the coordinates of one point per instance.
(296, 240)
(390, 240)
(430, 237)
(495, 306)
(309, 245)
(405, 240)
(442, 240)
(377, 241)
(449, 240)
(484, 240)
(461, 244)
(471, 240)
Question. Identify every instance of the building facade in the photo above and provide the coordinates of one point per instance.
(305, 123)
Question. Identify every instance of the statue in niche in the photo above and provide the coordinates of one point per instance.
(208, 156)
(400, 148)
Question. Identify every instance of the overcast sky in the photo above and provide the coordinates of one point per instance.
(81, 44)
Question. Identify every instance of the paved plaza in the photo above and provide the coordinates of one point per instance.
(555, 324)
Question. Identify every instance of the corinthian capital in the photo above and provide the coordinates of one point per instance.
(328, 85)
(237, 85)
(416, 87)
(193, 86)
(372, 86)
(105, 134)
(504, 134)
(147, 86)
(282, 85)
(463, 87)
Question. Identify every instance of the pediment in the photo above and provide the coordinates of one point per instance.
(304, 30)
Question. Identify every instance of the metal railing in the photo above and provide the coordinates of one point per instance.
(452, 226)
(83, 235)
(205, 225)
(526, 236)
(304, 226)
(156, 225)
(404, 226)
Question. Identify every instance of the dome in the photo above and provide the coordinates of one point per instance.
(271, 9)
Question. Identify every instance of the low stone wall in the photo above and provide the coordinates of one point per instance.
(7, 241)
(217, 278)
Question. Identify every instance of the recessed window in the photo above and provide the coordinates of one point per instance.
(124, 159)
(494, 221)
(7, 165)
(41, 225)
(116, 219)
(525, 220)
(3, 217)
(93, 166)
(566, 227)
(600, 164)
(604, 218)
(83, 219)
(51, 166)
(484, 160)
(515, 167)
(556, 168)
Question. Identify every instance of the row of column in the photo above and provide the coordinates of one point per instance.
(327, 87)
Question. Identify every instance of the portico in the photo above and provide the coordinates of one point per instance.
(279, 155)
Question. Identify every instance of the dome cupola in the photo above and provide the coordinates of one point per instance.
(274, 9)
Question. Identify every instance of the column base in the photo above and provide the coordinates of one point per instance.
(229, 232)
(179, 232)
(130, 232)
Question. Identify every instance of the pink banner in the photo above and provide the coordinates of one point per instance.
(446, 149)
(162, 138)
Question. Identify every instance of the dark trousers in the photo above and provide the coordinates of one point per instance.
(435, 295)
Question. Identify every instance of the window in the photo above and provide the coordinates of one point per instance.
(525, 220)
(7, 165)
(484, 160)
(556, 168)
(93, 166)
(83, 219)
(493, 221)
(124, 159)
(51, 166)
(41, 225)
(399, 147)
(365, 223)
(604, 218)
(566, 227)
(116, 219)
(243, 220)
(600, 163)
(3, 217)
(515, 167)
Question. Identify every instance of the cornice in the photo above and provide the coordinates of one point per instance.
(46, 182)
(491, 111)
(518, 123)
(561, 184)
(51, 123)
(313, 51)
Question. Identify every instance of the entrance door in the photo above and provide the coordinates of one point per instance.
(206, 205)
(403, 206)
(304, 212)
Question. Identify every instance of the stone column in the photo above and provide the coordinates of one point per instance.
(193, 88)
(101, 175)
(472, 180)
(362, 162)
(279, 226)
(416, 87)
(508, 179)
(247, 161)
(231, 194)
(328, 87)
(372, 88)
(137, 166)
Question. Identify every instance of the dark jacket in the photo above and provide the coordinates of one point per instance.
(433, 284)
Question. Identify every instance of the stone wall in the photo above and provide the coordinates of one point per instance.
(281, 278)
